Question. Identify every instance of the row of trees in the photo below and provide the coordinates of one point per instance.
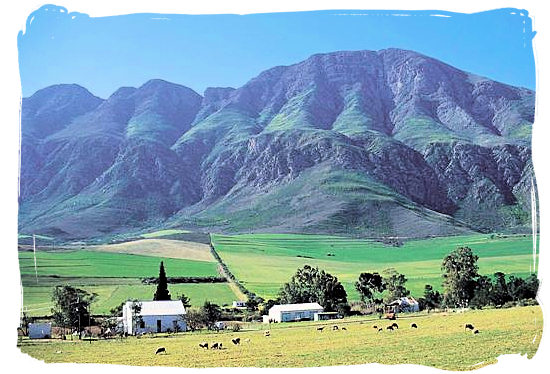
(465, 287)
(462, 285)
(310, 284)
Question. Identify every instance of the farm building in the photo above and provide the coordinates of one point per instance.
(404, 304)
(293, 312)
(40, 330)
(156, 316)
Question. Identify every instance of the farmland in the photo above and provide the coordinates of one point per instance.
(114, 273)
(440, 341)
(263, 262)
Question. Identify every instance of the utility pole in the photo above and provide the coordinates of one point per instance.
(78, 311)
(34, 255)
(90, 322)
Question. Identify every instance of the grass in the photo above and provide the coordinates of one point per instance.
(440, 341)
(115, 277)
(83, 263)
(263, 262)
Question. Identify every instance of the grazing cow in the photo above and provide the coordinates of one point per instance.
(344, 329)
(335, 327)
(389, 328)
(215, 346)
(203, 345)
(414, 326)
(320, 328)
(476, 331)
(374, 326)
(160, 350)
(380, 329)
(395, 325)
(236, 341)
(267, 333)
(469, 326)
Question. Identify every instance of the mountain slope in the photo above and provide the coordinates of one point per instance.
(371, 143)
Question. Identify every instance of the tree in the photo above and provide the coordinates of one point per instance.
(311, 285)
(459, 277)
(71, 306)
(482, 292)
(194, 319)
(184, 300)
(25, 321)
(532, 287)
(252, 304)
(211, 313)
(432, 298)
(395, 284)
(517, 288)
(137, 319)
(370, 286)
(499, 294)
(162, 292)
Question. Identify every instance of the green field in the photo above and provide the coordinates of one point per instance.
(440, 341)
(82, 263)
(114, 277)
(263, 262)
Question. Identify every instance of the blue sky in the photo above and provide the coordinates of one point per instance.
(199, 51)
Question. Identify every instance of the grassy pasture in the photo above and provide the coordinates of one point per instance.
(440, 341)
(263, 262)
(115, 277)
(83, 263)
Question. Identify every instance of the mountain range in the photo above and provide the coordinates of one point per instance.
(363, 143)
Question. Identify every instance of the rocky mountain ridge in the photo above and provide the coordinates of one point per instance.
(368, 143)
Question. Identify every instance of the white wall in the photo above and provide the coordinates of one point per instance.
(40, 330)
(167, 323)
(293, 315)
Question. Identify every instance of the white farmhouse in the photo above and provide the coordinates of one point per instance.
(40, 330)
(405, 304)
(293, 312)
(157, 316)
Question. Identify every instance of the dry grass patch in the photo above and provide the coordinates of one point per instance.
(161, 248)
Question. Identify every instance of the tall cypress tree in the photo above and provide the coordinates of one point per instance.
(162, 292)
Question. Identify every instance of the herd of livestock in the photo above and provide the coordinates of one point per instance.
(267, 333)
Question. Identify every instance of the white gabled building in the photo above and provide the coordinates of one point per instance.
(157, 316)
(405, 304)
(293, 312)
